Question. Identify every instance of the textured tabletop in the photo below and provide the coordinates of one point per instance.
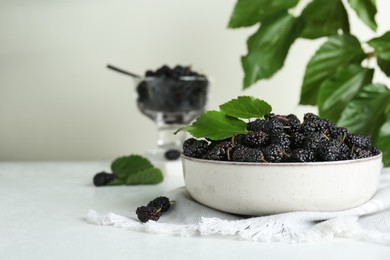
(43, 208)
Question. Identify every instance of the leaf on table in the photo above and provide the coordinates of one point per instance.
(335, 93)
(269, 46)
(249, 12)
(337, 51)
(147, 176)
(365, 113)
(246, 107)
(383, 139)
(127, 165)
(216, 125)
(366, 10)
(381, 46)
(117, 181)
(324, 18)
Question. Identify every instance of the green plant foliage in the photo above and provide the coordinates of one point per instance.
(216, 125)
(323, 18)
(383, 138)
(268, 47)
(366, 10)
(337, 92)
(246, 107)
(148, 176)
(381, 46)
(249, 12)
(337, 51)
(133, 170)
(127, 165)
(336, 79)
(366, 112)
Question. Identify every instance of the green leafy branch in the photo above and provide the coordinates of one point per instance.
(335, 79)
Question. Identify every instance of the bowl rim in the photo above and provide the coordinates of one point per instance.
(289, 164)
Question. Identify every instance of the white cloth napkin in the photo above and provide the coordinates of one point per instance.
(368, 222)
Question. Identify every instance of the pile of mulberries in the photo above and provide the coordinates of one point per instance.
(283, 138)
(176, 72)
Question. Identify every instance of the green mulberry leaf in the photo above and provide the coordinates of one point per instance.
(249, 12)
(383, 139)
(336, 92)
(147, 176)
(246, 107)
(216, 125)
(337, 51)
(366, 112)
(381, 46)
(127, 165)
(324, 18)
(366, 10)
(269, 46)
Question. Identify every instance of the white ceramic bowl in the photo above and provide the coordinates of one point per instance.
(269, 188)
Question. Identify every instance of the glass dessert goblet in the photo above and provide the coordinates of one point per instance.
(171, 103)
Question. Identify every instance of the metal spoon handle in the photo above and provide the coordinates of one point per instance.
(123, 71)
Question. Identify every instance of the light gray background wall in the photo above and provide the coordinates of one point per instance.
(59, 102)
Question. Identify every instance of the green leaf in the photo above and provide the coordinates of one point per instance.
(135, 169)
(268, 47)
(383, 139)
(338, 51)
(384, 65)
(249, 12)
(216, 125)
(366, 112)
(381, 46)
(127, 165)
(246, 107)
(366, 10)
(324, 18)
(117, 181)
(336, 92)
(147, 176)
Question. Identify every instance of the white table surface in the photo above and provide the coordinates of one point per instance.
(43, 208)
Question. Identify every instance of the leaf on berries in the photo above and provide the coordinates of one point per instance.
(338, 51)
(216, 125)
(381, 46)
(246, 107)
(335, 93)
(324, 18)
(249, 12)
(366, 10)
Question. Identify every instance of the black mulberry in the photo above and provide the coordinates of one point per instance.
(273, 153)
(145, 214)
(103, 178)
(245, 154)
(161, 203)
(256, 139)
(195, 148)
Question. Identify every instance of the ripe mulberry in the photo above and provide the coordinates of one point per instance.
(145, 214)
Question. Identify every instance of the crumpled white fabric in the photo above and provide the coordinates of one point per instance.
(367, 222)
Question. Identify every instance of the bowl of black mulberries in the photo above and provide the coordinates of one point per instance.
(172, 97)
(283, 164)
